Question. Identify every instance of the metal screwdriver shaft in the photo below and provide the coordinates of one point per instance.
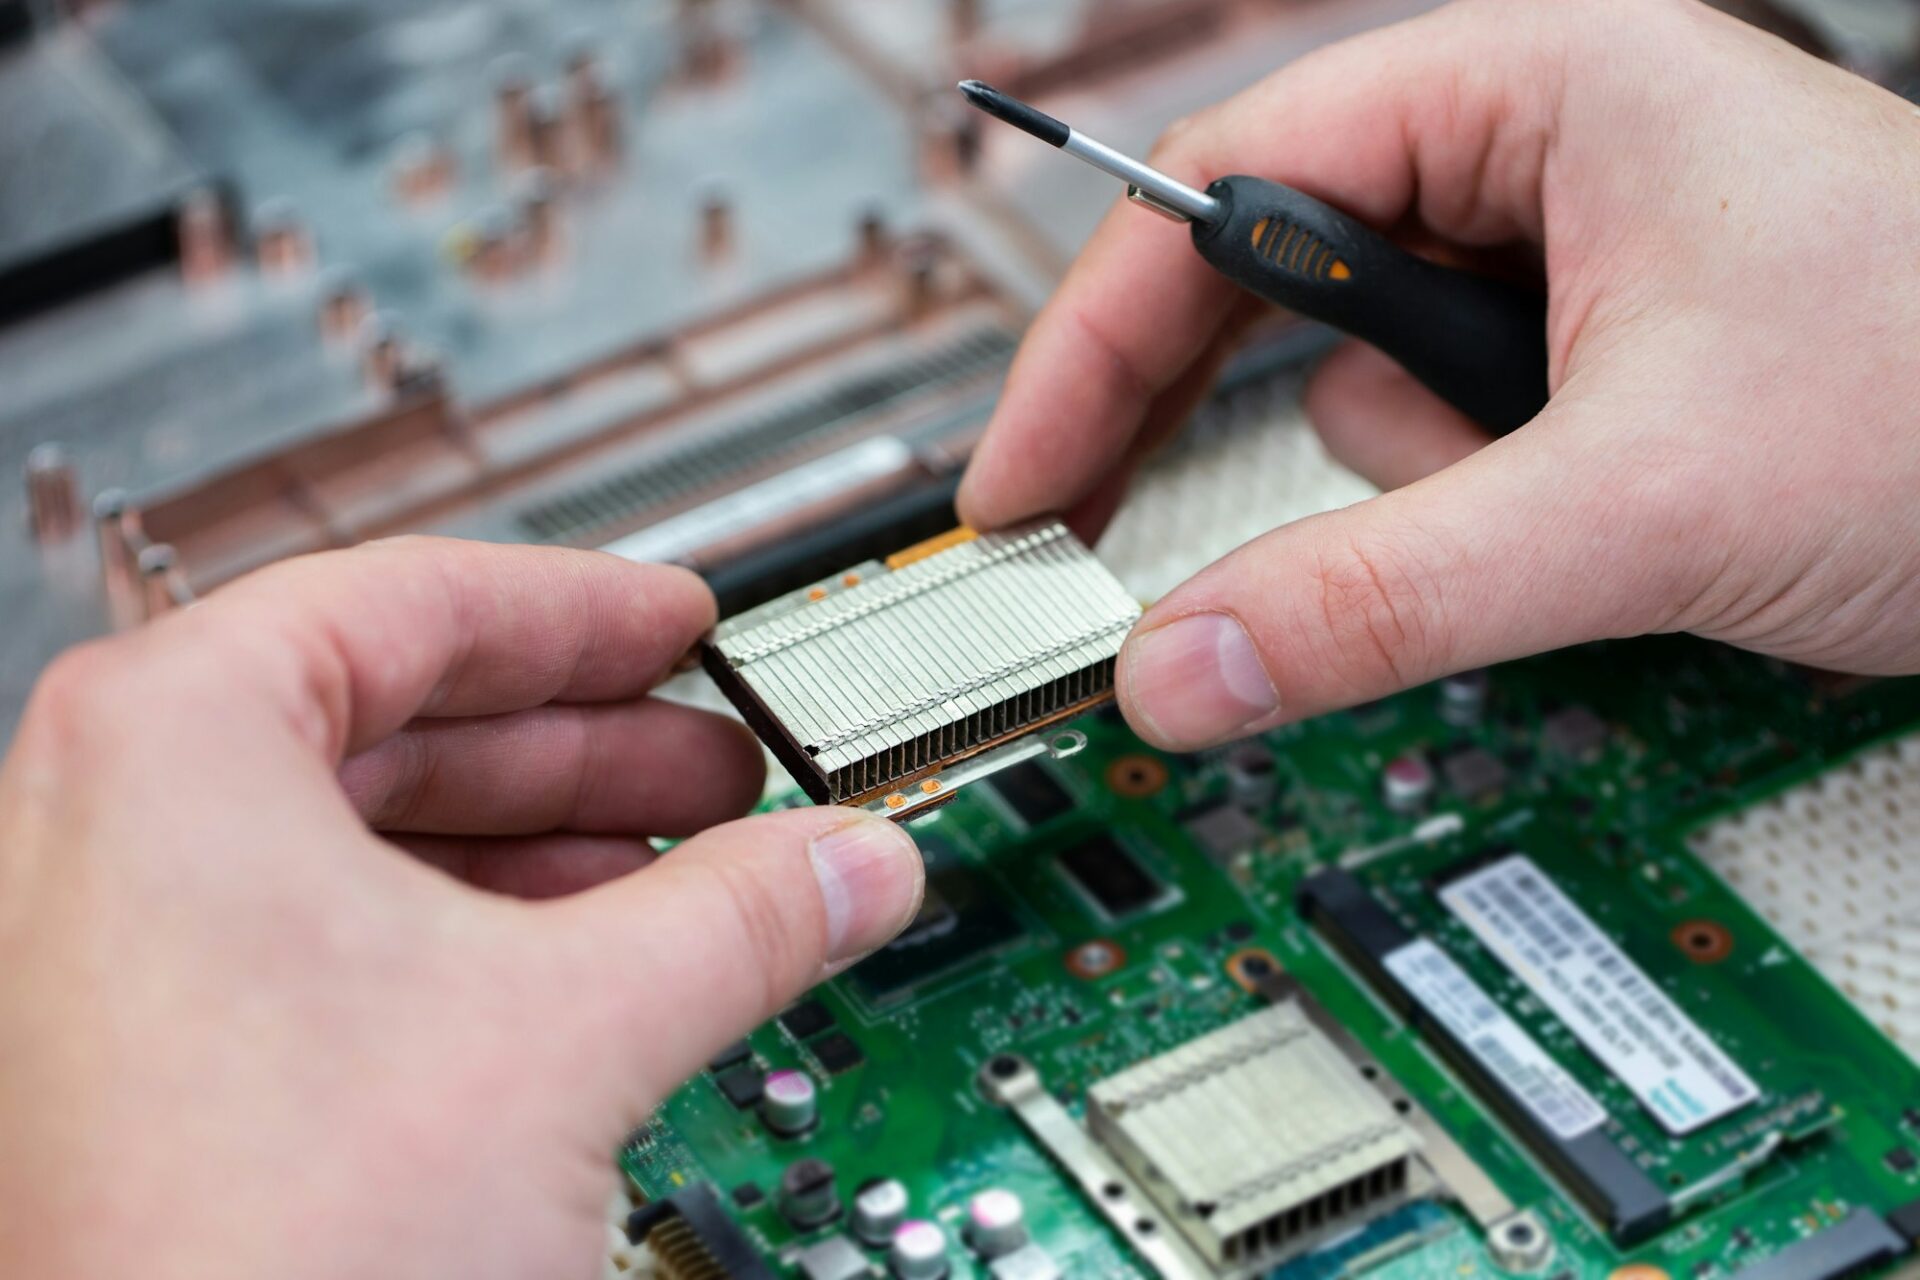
(1478, 343)
(1145, 184)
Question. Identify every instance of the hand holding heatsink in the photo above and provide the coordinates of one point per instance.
(891, 685)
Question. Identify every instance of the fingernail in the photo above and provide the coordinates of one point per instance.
(870, 875)
(1196, 681)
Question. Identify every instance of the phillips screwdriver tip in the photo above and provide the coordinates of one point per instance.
(1015, 112)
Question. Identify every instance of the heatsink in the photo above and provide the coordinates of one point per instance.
(1259, 1141)
(869, 686)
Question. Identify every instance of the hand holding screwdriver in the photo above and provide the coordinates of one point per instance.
(1729, 241)
(1478, 343)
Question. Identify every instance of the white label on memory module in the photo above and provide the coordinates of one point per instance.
(1497, 1042)
(1621, 1016)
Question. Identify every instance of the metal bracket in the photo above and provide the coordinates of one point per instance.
(1011, 1082)
(937, 789)
(1147, 200)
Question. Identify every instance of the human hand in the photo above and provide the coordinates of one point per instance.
(241, 1034)
(1731, 246)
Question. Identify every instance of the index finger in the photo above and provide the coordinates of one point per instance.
(1135, 309)
(350, 645)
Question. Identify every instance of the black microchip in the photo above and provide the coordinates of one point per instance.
(808, 1018)
(741, 1086)
(1111, 876)
(1906, 1220)
(935, 919)
(1901, 1160)
(1031, 792)
(1575, 732)
(837, 1053)
(962, 920)
(1223, 832)
(748, 1195)
(1911, 1116)
(1239, 931)
(1473, 773)
(731, 1056)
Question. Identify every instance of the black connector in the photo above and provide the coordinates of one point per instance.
(693, 1235)
(1852, 1246)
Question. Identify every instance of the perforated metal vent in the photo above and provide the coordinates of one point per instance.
(1834, 865)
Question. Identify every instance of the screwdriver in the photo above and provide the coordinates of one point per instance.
(1479, 344)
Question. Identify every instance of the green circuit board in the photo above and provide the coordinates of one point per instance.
(1594, 765)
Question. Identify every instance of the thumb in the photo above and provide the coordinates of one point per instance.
(1534, 542)
(725, 929)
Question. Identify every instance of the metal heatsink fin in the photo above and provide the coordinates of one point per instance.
(1260, 1140)
(890, 673)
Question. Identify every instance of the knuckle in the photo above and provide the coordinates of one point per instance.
(1179, 140)
(1119, 361)
(409, 791)
(93, 699)
(1171, 137)
(75, 693)
(1377, 613)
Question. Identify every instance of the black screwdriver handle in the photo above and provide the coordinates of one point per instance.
(1477, 343)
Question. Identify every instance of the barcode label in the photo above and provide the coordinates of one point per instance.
(1621, 1016)
(1496, 1041)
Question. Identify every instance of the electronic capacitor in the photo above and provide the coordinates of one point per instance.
(1406, 783)
(1252, 777)
(807, 1195)
(1463, 696)
(918, 1252)
(878, 1210)
(996, 1223)
(790, 1104)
